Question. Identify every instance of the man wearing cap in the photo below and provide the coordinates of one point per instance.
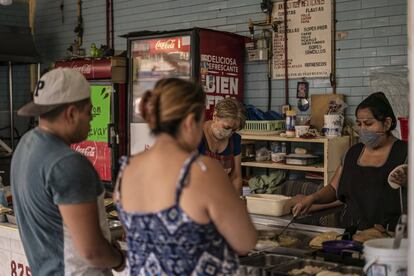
(57, 194)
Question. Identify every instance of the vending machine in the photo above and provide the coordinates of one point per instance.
(106, 140)
(214, 58)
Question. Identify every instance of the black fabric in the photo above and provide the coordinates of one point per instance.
(17, 45)
(295, 187)
(365, 190)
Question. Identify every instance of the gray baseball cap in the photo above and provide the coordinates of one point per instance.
(55, 88)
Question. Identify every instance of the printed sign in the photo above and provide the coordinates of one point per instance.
(95, 148)
(309, 39)
(99, 154)
(101, 111)
(90, 68)
(221, 67)
(162, 45)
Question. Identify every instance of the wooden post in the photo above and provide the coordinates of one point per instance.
(410, 30)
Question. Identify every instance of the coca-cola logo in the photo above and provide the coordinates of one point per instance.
(88, 151)
(84, 69)
(165, 45)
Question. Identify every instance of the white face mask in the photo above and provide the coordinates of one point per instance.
(221, 133)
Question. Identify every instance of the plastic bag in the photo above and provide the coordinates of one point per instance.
(262, 154)
(393, 81)
(336, 106)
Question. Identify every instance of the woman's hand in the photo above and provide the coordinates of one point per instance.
(302, 204)
(398, 176)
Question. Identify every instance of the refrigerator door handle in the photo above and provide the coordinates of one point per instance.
(113, 138)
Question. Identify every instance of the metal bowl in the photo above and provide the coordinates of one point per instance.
(349, 270)
(260, 263)
(336, 247)
(301, 263)
(114, 224)
(115, 227)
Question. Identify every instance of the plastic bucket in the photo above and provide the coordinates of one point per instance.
(404, 128)
(382, 260)
(332, 126)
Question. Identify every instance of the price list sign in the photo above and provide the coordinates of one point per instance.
(309, 39)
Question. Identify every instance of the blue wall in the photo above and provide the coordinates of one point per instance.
(15, 15)
(375, 29)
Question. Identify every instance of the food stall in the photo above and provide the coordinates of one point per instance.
(287, 245)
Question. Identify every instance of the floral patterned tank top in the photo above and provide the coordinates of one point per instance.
(169, 242)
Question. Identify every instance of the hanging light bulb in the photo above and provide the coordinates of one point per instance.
(6, 2)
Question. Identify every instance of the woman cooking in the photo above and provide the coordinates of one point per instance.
(361, 181)
(220, 140)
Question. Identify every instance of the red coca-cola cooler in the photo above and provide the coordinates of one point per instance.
(106, 140)
(214, 58)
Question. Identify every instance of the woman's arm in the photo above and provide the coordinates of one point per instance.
(326, 195)
(226, 210)
(236, 175)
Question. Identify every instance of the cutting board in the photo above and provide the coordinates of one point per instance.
(319, 106)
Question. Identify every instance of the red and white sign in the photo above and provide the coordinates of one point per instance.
(221, 67)
(90, 68)
(100, 156)
(164, 45)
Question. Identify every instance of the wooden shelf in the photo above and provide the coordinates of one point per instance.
(281, 166)
(333, 151)
(283, 139)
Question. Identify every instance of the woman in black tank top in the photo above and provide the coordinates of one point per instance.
(361, 182)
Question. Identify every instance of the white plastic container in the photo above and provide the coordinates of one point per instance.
(290, 123)
(381, 259)
(269, 204)
(333, 125)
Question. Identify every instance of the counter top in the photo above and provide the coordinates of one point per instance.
(301, 222)
(8, 230)
(267, 222)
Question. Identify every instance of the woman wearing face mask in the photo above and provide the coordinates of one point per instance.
(361, 182)
(220, 140)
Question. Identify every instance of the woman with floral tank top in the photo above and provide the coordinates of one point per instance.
(180, 211)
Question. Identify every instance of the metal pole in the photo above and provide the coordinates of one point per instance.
(410, 30)
(285, 9)
(11, 106)
(38, 72)
(333, 49)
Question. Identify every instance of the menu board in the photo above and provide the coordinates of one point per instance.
(309, 39)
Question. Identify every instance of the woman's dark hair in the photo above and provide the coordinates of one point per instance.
(170, 102)
(380, 107)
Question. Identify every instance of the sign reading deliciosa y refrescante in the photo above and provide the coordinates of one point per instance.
(309, 39)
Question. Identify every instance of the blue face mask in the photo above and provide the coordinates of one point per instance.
(370, 139)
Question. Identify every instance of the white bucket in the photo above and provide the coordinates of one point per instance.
(382, 260)
(333, 125)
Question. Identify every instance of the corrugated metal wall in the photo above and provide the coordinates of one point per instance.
(376, 36)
